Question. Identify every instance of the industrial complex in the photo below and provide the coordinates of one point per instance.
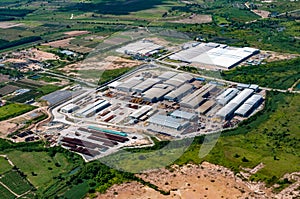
(153, 100)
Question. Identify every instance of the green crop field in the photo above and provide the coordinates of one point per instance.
(5, 194)
(15, 182)
(13, 110)
(4, 165)
(39, 167)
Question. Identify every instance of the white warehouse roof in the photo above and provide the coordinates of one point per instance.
(180, 92)
(140, 112)
(140, 47)
(226, 96)
(183, 115)
(167, 75)
(253, 101)
(145, 85)
(167, 121)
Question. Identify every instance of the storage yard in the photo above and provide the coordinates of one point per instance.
(156, 102)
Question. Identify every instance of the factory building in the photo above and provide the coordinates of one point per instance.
(226, 96)
(145, 85)
(228, 110)
(96, 109)
(204, 108)
(83, 112)
(253, 102)
(197, 98)
(167, 75)
(215, 55)
(169, 122)
(140, 112)
(142, 47)
(129, 84)
(183, 115)
(179, 93)
(157, 93)
(70, 108)
(179, 80)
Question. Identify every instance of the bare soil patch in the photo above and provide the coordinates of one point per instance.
(262, 13)
(6, 25)
(195, 19)
(59, 43)
(42, 56)
(76, 33)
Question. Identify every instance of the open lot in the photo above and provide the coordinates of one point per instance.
(5, 194)
(4, 165)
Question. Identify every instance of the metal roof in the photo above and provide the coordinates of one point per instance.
(179, 92)
(167, 75)
(229, 108)
(140, 112)
(156, 93)
(183, 115)
(127, 85)
(226, 96)
(69, 107)
(167, 121)
(206, 106)
(145, 85)
(248, 105)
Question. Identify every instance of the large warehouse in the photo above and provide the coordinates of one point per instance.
(129, 84)
(145, 85)
(253, 102)
(142, 47)
(157, 93)
(226, 96)
(215, 55)
(167, 121)
(179, 79)
(197, 98)
(179, 93)
(228, 110)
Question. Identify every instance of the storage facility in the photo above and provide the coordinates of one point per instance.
(253, 102)
(179, 80)
(226, 96)
(183, 115)
(129, 84)
(228, 110)
(167, 121)
(215, 55)
(204, 108)
(167, 75)
(140, 112)
(177, 94)
(197, 98)
(142, 47)
(145, 85)
(70, 108)
(93, 108)
(157, 93)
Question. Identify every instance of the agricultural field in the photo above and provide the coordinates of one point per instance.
(4, 165)
(39, 167)
(14, 109)
(5, 194)
(15, 182)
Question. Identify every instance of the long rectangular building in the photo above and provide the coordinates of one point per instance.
(179, 93)
(157, 93)
(249, 105)
(145, 85)
(226, 96)
(167, 121)
(228, 110)
(140, 112)
(88, 107)
(129, 84)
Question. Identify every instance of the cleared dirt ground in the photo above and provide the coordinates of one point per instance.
(6, 25)
(190, 182)
(195, 19)
(59, 43)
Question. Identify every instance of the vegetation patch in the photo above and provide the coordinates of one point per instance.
(15, 182)
(14, 110)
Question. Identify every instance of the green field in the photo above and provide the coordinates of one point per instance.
(4, 165)
(5, 194)
(13, 110)
(15, 182)
(280, 75)
(39, 167)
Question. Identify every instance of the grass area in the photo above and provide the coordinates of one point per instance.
(15, 182)
(14, 109)
(78, 191)
(109, 75)
(270, 136)
(46, 89)
(4, 165)
(5, 194)
(281, 74)
(40, 168)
